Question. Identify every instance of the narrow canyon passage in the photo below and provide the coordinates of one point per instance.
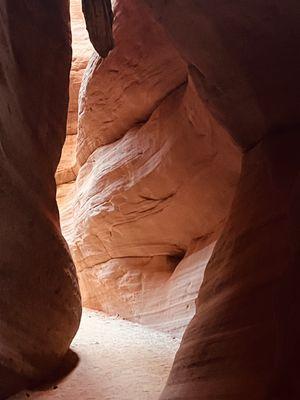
(118, 360)
(140, 210)
(149, 221)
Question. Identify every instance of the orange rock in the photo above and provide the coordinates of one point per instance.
(156, 172)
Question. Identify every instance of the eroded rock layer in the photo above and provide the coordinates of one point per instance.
(40, 303)
(156, 178)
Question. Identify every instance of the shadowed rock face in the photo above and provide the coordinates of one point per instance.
(99, 17)
(244, 337)
(242, 57)
(40, 302)
(243, 341)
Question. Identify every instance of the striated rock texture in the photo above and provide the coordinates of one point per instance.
(243, 341)
(40, 303)
(67, 169)
(81, 52)
(155, 182)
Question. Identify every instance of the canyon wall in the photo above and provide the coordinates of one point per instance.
(243, 341)
(145, 184)
(67, 169)
(156, 176)
(40, 303)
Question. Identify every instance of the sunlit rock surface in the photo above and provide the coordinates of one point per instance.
(156, 176)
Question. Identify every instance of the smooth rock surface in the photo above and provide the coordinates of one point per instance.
(243, 341)
(244, 337)
(40, 304)
(242, 58)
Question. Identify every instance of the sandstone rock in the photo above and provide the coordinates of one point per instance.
(67, 169)
(141, 195)
(242, 343)
(156, 173)
(154, 291)
(243, 339)
(40, 302)
(124, 89)
(99, 18)
(82, 51)
(239, 55)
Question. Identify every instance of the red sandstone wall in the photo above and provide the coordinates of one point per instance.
(40, 303)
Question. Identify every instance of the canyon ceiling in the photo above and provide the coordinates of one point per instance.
(180, 169)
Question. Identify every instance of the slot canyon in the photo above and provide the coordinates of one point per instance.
(150, 179)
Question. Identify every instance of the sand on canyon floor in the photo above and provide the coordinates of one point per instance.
(118, 360)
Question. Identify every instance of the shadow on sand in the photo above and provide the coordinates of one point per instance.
(69, 363)
(11, 383)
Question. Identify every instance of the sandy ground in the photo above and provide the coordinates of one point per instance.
(119, 360)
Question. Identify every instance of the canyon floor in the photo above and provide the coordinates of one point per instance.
(118, 360)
